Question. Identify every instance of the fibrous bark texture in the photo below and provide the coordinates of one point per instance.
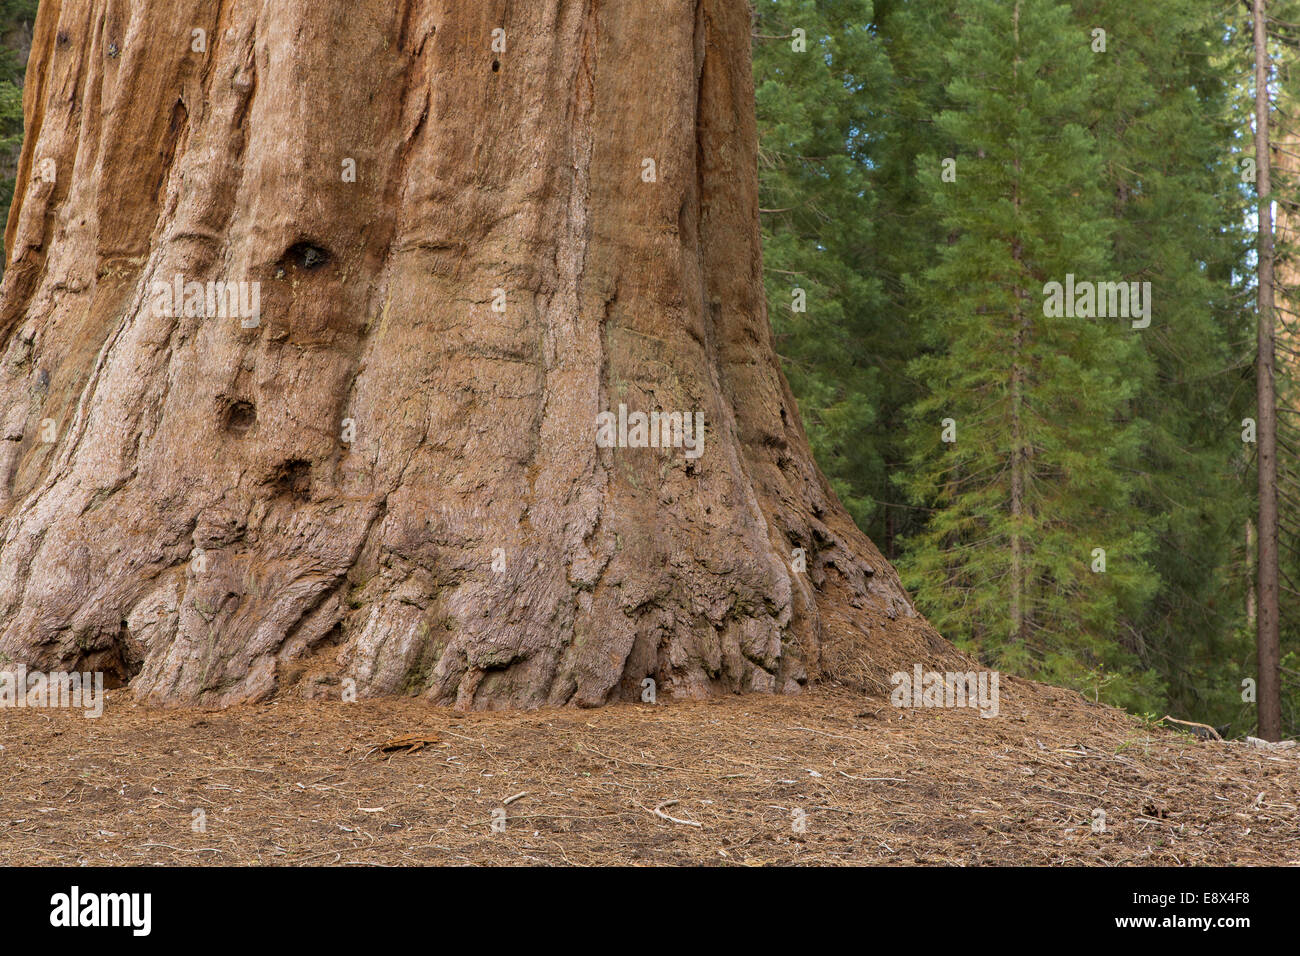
(473, 226)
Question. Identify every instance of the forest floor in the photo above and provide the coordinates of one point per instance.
(728, 782)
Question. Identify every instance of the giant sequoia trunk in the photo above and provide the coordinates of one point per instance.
(392, 473)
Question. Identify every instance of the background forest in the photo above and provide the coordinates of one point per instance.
(927, 166)
(1068, 499)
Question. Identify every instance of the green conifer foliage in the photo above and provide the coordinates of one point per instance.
(1039, 487)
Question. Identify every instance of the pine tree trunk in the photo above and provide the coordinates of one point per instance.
(393, 474)
(1019, 451)
(1267, 645)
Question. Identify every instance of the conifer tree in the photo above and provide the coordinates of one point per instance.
(1179, 217)
(914, 37)
(1033, 545)
(822, 82)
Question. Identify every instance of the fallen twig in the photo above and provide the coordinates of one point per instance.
(659, 812)
(1191, 723)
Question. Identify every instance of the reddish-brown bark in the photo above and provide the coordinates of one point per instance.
(204, 523)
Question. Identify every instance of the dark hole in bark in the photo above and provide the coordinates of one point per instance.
(240, 417)
(115, 660)
(294, 479)
(305, 255)
(496, 65)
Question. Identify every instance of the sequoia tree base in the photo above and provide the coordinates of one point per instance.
(467, 246)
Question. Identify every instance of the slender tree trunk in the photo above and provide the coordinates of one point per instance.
(1251, 614)
(889, 533)
(1018, 458)
(1018, 463)
(394, 476)
(1267, 648)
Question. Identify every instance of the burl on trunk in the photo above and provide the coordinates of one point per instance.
(311, 314)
